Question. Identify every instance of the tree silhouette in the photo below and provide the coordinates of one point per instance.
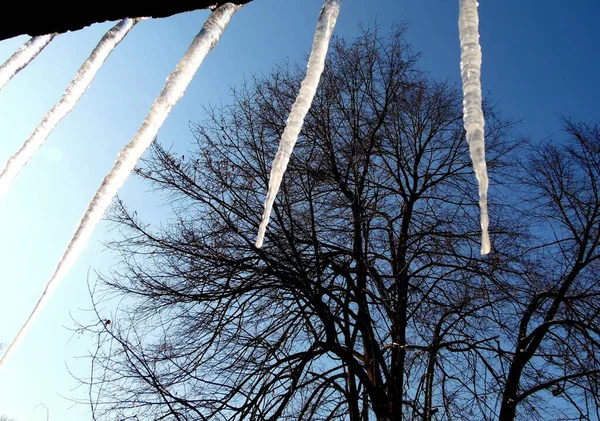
(370, 299)
(556, 334)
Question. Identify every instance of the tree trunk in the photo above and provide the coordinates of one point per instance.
(508, 408)
(396, 387)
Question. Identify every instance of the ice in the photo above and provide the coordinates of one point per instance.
(308, 89)
(22, 57)
(470, 67)
(65, 105)
(173, 90)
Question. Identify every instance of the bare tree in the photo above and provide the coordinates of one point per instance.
(370, 299)
(556, 336)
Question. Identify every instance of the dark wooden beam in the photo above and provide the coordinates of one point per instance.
(45, 17)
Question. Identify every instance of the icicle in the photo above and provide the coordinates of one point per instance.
(173, 90)
(73, 93)
(308, 89)
(22, 57)
(470, 67)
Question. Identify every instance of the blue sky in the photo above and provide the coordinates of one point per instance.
(540, 59)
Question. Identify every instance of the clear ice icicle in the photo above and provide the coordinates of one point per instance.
(22, 57)
(470, 68)
(308, 89)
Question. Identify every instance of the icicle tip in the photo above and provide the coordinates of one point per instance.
(485, 244)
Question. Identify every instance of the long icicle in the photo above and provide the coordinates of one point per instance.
(22, 57)
(308, 89)
(80, 83)
(470, 67)
(173, 90)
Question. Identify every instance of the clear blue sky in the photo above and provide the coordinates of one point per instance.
(539, 59)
